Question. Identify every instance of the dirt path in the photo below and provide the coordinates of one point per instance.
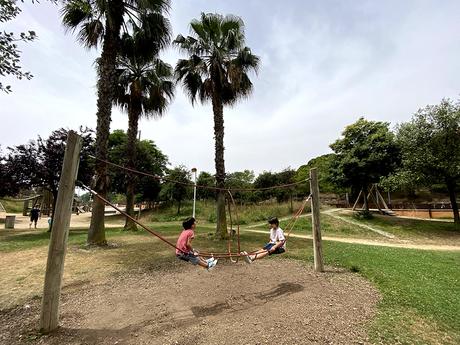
(80, 221)
(272, 301)
(331, 213)
(371, 242)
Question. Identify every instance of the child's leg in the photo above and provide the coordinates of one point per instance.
(259, 254)
(203, 263)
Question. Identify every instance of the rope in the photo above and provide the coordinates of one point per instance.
(229, 254)
(287, 185)
(128, 216)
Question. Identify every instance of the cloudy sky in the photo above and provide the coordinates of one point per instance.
(324, 64)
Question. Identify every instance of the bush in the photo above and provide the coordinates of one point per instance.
(363, 214)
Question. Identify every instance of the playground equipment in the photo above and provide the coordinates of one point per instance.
(58, 242)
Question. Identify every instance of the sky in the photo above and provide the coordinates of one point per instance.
(324, 64)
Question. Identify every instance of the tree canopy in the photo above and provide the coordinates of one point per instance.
(430, 145)
(366, 152)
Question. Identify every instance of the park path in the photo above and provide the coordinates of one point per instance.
(370, 242)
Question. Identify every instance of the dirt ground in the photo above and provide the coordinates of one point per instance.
(272, 301)
(76, 221)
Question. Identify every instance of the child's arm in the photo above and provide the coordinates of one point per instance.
(189, 243)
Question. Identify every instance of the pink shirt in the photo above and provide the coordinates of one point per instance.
(181, 243)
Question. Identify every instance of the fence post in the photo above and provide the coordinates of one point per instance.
(49, 319)
(315, 212)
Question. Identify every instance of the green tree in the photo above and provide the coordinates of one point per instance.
(177, 191)
(144, 89)
(323, 165)
(430, 145)
(149, 159)
(205, 179)
(217, 71)
(366, 152)
(100, 23)
(10, 54)
(241, 180)
(39, 163)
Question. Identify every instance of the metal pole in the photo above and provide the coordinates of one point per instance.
(194, 192)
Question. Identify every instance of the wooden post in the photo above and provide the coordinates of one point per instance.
(357, 199)
(317, 244)
(49, 319)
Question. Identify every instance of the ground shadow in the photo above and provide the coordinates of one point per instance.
(248, 301)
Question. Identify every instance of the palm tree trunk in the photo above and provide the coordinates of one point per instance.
(218, 109)
(107, 78)
(133, 120)
(453, 201)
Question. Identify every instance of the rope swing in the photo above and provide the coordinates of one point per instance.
(230, 204)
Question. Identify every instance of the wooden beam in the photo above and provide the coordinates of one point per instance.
(49, 319)
(357, 199)
(316, 228)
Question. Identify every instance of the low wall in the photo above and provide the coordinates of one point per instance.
(425, 213)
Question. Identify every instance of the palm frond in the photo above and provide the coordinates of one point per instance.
(74, 13)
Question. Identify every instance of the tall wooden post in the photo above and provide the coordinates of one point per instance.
(49, 319)
(317, 243)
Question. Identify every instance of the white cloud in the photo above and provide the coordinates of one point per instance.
(323, 65)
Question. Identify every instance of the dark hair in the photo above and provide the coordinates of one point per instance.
(187, 224)
(273, 220)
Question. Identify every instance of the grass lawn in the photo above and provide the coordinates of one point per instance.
(420, 289)
(12, 206)
(411, 229)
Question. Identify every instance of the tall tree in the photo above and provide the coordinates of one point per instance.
(144, 88)
(430, 145)
(100, 23)
(366, 152)
(217, 71)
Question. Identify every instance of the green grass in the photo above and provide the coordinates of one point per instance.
(418, 283)
(410, 228)
(12, 206)
(329, 227)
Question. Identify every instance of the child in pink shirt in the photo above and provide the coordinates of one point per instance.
(184, 249)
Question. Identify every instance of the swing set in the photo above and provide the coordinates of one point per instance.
(58, 242)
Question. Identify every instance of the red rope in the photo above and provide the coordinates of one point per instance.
(287, 185)
(229, 254)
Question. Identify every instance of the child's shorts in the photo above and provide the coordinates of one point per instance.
(189, 257)
(278, 250)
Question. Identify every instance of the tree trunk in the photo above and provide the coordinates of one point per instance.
(453, 200)
(134, 112)
(218, 109)
(178, 207)
(107, 78)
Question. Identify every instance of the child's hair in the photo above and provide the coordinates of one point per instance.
(187, 224)
(273, 220)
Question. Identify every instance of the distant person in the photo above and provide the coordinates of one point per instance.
(184, 249)
(34, 214)
(276, 245)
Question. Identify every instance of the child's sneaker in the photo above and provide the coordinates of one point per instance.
(247, 258)
(212, 264)
(210, 259)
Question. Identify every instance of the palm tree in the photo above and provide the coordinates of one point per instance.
(145, 87)
(216, 70)
(100, 23)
